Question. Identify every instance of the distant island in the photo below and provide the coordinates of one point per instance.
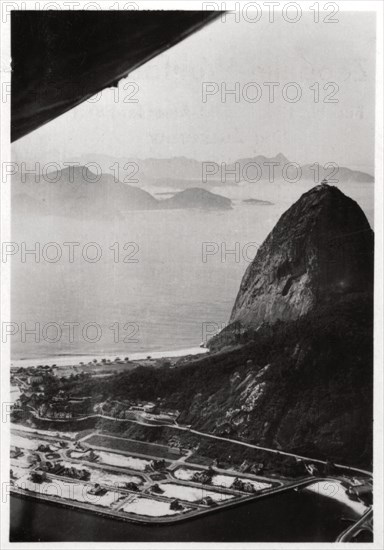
(258, 201)
(78, 192)
(196, 197)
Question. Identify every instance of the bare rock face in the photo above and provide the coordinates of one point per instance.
(321, 249)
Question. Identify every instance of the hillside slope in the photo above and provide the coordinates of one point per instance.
(302, 386)
(293, 370)
(297, 378)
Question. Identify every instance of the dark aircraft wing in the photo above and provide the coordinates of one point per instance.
(60, 59)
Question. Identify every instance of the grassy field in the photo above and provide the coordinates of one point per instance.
(198, 459)
(132, 446)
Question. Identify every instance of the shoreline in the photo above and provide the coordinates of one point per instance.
(325, 489)
(182, 517)
(329, 488)
(71, 360)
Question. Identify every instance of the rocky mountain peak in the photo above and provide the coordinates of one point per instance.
(320, 249)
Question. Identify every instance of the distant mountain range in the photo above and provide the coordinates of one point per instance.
(78, 192)
(182, 172)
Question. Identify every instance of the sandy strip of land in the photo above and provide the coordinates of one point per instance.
(149, 507)
(220, 480)
(123, 461)
(69, 360)
(335, 490)
(226, 481)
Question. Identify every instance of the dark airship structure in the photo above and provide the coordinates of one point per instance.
(62, 58)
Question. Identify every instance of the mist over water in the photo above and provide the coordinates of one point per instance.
(164, 300)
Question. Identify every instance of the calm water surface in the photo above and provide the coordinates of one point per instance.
(292, 517)
(170, 298)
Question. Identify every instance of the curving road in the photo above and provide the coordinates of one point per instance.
(204, 434)
(365, 522)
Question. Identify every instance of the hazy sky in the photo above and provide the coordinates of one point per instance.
(170, 118)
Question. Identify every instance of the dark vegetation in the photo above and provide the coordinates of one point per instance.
(302, 386)
(317, 387)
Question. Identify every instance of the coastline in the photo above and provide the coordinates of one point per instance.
(69, 360)
(190, 514)
(327, 489)
(187, 515)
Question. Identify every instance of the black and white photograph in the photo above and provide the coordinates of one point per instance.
(192, 274)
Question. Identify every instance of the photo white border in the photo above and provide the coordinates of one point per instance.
(5, 156)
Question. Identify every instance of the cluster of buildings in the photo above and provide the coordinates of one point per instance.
(149, 407)
(35, 386)
(59, 469)
(208, 501)
(16, 452)
(361, 491)
(89, 454)
(132, 486)
(156, 465)
(152, 412)
(251, 467)
(63, 407)
(33, 377)
(31, 382)
(204, 477)
(176, 505)
(38, 476)
(97, 489)
(243, 485)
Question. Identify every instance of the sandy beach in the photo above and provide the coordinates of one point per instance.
(336, 491)
(69, 360)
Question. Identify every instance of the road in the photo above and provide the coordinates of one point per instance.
(278, 452)
(365, 522)
(211, 436)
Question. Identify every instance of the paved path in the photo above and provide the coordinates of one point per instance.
(365, 522)
(180, 461)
